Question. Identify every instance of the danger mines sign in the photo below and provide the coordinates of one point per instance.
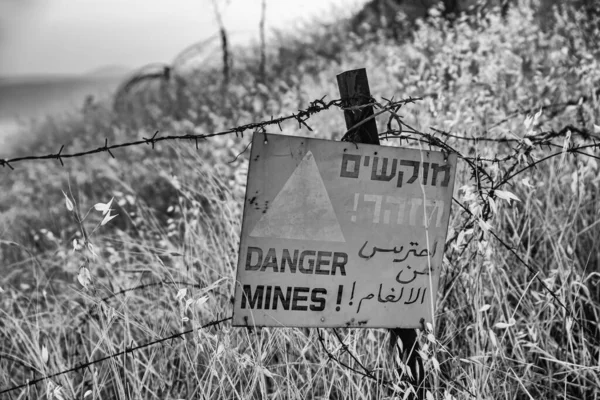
(338, 234)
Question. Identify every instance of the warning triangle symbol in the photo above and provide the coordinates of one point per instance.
(302, 209)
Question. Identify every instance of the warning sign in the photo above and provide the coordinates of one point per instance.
(338, 234)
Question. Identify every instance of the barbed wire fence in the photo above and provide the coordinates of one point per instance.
(519, 159)
(126, 351)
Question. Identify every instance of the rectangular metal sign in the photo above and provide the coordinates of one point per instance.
(338, 234)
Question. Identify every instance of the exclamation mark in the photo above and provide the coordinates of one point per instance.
(352, 294)
(356, 195)
(339, 298)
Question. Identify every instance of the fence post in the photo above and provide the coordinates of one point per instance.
(354, 91)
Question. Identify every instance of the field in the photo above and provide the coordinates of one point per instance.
(137, 306)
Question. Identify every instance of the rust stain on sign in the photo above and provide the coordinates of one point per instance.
(336, 232)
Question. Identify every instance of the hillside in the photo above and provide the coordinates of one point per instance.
(38, 97)
(518, 305)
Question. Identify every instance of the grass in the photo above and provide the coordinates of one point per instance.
(166, 264)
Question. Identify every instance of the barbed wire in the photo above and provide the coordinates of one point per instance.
(484, 182)
(126, 351)
(301, 117)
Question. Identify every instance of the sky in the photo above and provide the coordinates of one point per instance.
(56, 37)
